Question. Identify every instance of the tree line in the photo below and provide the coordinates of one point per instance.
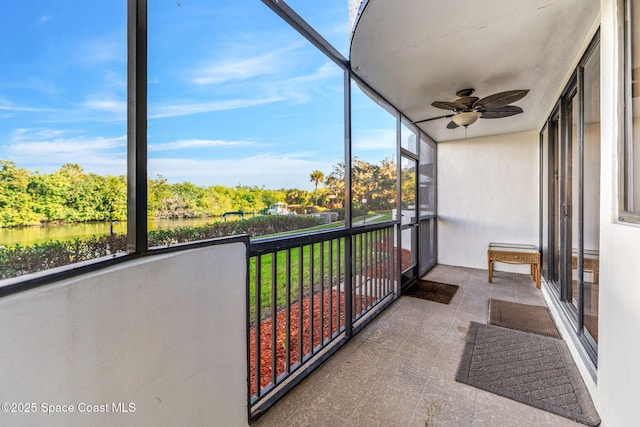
(72, 195)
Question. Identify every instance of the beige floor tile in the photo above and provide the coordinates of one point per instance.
(400, 369)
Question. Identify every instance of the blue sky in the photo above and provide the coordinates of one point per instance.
(235, 95)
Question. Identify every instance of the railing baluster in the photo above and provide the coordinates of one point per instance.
(362, 271)
(311, 273)
(349, 265)
(300, 306)
(258, 323)
(288, 310)
(274, 316)
(376, 253)
(369, 294)
(330, 291)
(363, 274)
(342, 287)
(321, 293)
(394, 267)
(333, 263)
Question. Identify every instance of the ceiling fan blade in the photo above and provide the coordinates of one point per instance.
(433, 118)
(446, 105)
(467, 101)
(500, 99)
(498, 113)
(452, 125)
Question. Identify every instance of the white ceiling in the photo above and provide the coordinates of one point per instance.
(414, 52)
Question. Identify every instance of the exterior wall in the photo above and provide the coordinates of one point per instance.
(354, 7)
(487, 192)
(619, 335)
(166, 333)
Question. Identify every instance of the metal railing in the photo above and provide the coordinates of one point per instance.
(301, 290)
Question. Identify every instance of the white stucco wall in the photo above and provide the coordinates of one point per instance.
(354, 7)
(487, 192)
(166, 333)
(618, 394)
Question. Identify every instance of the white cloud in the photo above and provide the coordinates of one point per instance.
(299, 89)
(111, 105)
(36, 83)
(241, 68)
(197, 143)
(163, 111)
(43, 19)
(374, 139)
(7, 105)
(100, 51)
(272, 170)
(106, 104)
(48, 149)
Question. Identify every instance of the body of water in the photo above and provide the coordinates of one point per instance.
(29, 235)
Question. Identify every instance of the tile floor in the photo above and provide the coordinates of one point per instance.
(400, 369)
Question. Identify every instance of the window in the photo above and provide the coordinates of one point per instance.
(246, 122)
(630, 188)
(63, 145)
(427, 179)
(374, 167)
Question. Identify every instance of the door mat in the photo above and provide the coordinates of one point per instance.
(432, 291)
(522, 317)
(528, 368)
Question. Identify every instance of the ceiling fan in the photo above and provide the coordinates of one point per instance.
(467, 109)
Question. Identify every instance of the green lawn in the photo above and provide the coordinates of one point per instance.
(329, 274)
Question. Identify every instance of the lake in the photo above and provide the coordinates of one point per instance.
(29, 235)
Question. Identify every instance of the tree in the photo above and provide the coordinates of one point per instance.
(335, 184)
(316, 177)
(15, 201)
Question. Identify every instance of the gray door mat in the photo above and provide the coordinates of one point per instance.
(522, 317)
(528, 368)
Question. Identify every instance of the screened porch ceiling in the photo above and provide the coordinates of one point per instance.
(414, 52)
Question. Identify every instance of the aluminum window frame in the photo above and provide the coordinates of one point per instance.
(626, 148)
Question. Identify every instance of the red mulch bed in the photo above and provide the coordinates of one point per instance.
(337, 322)
(381, 270)
(266, 350)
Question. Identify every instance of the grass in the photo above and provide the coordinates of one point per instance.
(300, 278)
(331, 273)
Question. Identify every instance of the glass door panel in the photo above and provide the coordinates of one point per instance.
(544, 200)
(555, 207)
(573, 198)
(408, 219)
(591, 191)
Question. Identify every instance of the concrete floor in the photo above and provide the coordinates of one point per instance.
(400, 369)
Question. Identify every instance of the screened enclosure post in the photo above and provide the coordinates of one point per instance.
(137, 126)
(348, 252)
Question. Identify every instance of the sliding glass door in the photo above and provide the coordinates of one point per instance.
(570, 199)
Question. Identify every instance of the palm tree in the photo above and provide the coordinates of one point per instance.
(316, 177)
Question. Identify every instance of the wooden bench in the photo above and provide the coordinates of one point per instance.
(513, 253)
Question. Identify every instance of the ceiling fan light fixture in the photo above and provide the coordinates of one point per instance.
(466, 118)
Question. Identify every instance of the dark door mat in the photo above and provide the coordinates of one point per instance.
(432, 291)
(522, 317)
(528, 368)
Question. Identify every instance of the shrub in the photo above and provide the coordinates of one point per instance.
(355, 212)
(19, 260)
